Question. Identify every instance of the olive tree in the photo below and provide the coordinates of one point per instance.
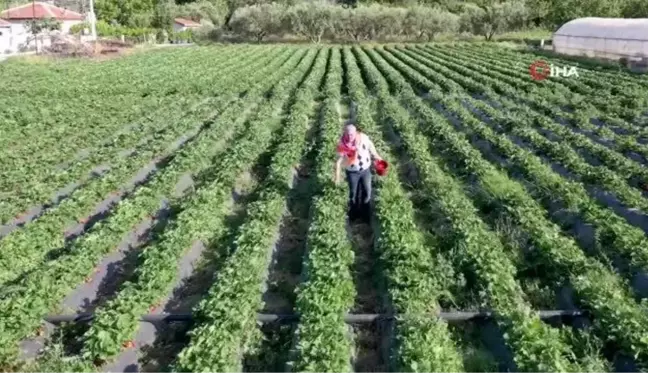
(388, 21)
(202, 10)
(355, 23)
(425, 22)
(493, 19)
(369, 22)
(312, 19)
(260, 20)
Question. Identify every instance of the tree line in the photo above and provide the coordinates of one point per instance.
(317, 21)
(354, 20)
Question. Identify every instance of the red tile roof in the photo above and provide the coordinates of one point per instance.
(41, 10)
(4, 23)
(186, 22)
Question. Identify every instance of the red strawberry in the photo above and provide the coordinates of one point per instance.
(128, 344)
(154, 307)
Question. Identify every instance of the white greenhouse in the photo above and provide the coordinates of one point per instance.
(610, 38)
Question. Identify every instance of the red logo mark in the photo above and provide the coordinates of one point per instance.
(539, 70)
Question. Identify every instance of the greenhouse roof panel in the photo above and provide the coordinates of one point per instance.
(607, 28)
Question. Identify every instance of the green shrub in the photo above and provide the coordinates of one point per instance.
(78, 28)
(185, 36)
(105, 29)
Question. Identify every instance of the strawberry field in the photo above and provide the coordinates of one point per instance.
(174, 210)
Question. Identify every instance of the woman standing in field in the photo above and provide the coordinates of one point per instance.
(355, 151)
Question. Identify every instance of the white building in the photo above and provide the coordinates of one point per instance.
(20, 37)
(610, 38)
(182, 24)
(5, 36)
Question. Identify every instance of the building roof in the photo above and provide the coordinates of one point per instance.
(187, 22)
(606, 28)
(603, 38)
(4, 23)
(41, 10)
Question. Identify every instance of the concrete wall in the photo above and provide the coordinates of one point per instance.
(19, 34)
(178, 27)
(5, 39)
(21, 37)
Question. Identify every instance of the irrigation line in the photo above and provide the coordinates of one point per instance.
(362, 318)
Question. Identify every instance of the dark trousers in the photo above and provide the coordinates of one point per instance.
(359, 193)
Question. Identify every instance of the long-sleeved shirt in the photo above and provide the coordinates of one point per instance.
(365, 150)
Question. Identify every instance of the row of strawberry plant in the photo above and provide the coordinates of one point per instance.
(591, 362)
(423, 343)
(606, 97)
(618, 317)
(502, 63)
(629, 168)
(580, 118)
(41, 153)
(227, 315)
(221, 76)
(622, 237)
(629, 89)
(580, 111)
(600, 174)
(412, 73)
(38, 155)
(53, 178)
(39, 79)
(147, 73)
(615, 232)
(150, 67)
(23, 122)
(23, 304)
(616, 83)
(125, 141)
(25, 195)
(212, 75)
(323, 340)
(536, 346)
(25, 249)
(201, 218)
(64, 117)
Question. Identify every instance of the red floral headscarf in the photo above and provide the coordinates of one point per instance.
(349, 147)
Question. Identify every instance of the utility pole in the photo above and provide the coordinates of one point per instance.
(93, 25)
(34, 25)
(93, 21)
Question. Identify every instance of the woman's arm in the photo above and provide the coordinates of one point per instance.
(372, 149)
(336, 172)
